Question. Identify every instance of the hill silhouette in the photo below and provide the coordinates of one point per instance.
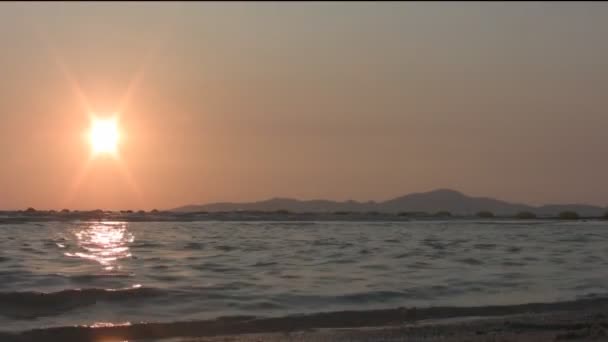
(446, 200)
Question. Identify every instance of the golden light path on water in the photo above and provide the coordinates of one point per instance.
(104, 242)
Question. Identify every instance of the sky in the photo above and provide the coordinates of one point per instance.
(248, 101)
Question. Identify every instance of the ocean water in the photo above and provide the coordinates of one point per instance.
(99, 273)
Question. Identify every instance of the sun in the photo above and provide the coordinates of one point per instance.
(104, 136)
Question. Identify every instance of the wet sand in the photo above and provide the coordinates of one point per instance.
(526, 328)
(582, 320)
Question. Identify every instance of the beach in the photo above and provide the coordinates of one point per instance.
(571, 321)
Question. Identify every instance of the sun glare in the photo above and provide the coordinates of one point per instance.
(104, 136)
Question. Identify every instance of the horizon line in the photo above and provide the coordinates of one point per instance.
(315, 199)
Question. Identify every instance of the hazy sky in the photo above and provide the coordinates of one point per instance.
(246, 101)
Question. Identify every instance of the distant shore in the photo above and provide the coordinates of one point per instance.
(15, 217)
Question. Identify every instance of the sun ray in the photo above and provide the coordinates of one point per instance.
(77, 181)
(105, 138)
(139, 74)
(124, 169)
(65, 71)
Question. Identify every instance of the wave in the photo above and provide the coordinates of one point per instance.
(323, 320)
(31, 304)
(89, 278)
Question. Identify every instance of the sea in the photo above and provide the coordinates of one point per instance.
(112, 273)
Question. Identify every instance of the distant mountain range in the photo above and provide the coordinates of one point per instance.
(453, 201)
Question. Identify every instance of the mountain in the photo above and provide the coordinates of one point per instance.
(452, 201)
(283, 204)
(430, 202)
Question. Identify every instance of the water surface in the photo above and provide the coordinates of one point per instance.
(86, 273)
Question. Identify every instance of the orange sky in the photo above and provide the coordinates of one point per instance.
(239, 102)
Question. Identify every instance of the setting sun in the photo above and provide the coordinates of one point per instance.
(104, 136)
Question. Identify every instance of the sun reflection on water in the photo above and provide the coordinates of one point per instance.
(109, 325)
(104, 242)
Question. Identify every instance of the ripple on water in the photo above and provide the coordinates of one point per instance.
(434, 244)
(289, 276)
(471, 261)
(267, 269)
(406, 254)
(593, 259)
(485, 246)
(557, 261)
(510, 263)
(49, 243)
(27, 305)
(194, 246)
(225, 248)
(165, 277)
(260, 305)
(147, 244)
(419, 265)
(91, 278)
(214, 267)
(160, 267)
(375, 267)
(264, 264)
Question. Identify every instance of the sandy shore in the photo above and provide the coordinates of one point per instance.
(525, 328)
(581, 320)
(564, 326)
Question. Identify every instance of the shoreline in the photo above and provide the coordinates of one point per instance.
(582, 319)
